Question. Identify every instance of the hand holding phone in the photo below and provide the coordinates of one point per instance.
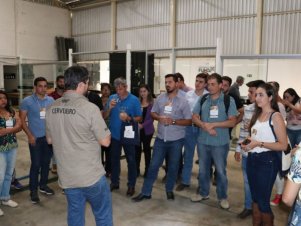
(246, 142)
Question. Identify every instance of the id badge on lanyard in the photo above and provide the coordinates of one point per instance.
(213, 112)
(9, 123)
(42, 113)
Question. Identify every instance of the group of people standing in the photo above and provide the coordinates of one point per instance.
(86, 132)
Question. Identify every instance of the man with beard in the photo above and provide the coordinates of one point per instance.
(60, 88)
(76, 129)
(173, 114)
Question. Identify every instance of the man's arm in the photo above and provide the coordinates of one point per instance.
(240, 115)
(105, 141)
(31, 138)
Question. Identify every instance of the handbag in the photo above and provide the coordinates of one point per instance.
(284, 156)
(129, 133)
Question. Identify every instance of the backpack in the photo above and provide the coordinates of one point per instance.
(226, 102)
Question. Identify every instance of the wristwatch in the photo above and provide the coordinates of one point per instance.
(173, 122)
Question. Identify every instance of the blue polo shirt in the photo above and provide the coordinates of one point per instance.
(222, 137)
(32, 105)
(131, 105)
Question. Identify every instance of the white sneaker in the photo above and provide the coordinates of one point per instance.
(198, 198)
(224, 204)
(1, 213)
(10, 203)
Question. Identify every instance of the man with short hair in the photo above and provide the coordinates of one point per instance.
(181, 83)
(76, 129)
(234, 89)
(123, 107)
(214, 121)
(173, 114)
(34, 109)
(192, 131)
(59, 89)
(241, 155)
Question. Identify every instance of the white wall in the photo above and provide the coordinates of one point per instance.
(7, 27)
(286, 73)
(29, 29)
(37, 26)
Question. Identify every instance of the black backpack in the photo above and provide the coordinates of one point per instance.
(226, 102)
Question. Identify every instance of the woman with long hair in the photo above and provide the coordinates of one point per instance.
(268, 137)
(10, 124)
(105, 151)
(146, 127)
(291, 100)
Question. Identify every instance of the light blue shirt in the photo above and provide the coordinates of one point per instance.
(222, 137)
(33, 105)
(180, 110)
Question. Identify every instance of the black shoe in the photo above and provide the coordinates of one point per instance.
(141, 197)
(170, 195)
(114, 187)
(181, 187)
(130, 192)
(34, 196)
(245, 213)
(196, 162)
(46, 190)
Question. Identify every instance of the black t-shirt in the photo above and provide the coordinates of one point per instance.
(94, 98)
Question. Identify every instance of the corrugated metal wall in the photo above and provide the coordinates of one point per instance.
(91, 29)
(145, 25)
(281, 27)
(199, 23)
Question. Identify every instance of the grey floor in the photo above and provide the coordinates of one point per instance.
(157, 211)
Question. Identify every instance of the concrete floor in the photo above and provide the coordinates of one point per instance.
(154, 212)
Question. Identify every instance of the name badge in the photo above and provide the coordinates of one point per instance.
(9, 123)
(213, 112)
(128, 132)
(43, 113)
(167, 109)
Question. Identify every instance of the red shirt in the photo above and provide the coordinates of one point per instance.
(55, 95)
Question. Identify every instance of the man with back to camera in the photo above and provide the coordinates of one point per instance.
(122, 107)
(214, 121)
(34, 109)
(241, 155)
(76, 129)
(173, 114)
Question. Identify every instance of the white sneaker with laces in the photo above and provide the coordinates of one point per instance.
(1, 213)
(224, 204)
(10, 203)
(198, 198)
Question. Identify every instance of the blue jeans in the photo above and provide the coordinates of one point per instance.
(248, 196)
(40, 155)
(294, 136)
(99, 197)
(7, 165)
(218, 154)
(190, 142)
(294, 218)
(172, 150)
(129, 151)
(262, 169)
